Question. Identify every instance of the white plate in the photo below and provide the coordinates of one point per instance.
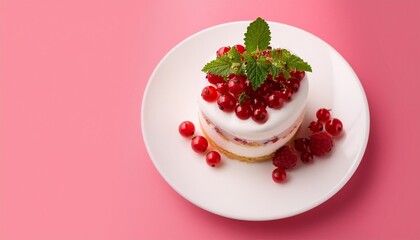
(240, 190)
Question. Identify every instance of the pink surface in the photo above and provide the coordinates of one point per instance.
(72, 160)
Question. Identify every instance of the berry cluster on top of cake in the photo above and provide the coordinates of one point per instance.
(256, 99)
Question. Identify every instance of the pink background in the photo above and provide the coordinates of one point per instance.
(72, 160)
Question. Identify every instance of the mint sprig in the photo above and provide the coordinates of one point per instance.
(257, 36)
(257, 61)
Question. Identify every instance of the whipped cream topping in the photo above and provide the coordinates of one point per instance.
(278, 119)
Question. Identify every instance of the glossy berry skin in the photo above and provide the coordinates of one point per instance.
(258, 102)
(323, 115)
(293, 84)
(279, 175)
(243, 111)
(222, 87)
(236, 84)
(275, 100)
(240, 48)
(222, 51)
(285, 157)
(186, 129)
(226, 102)
(209, 94)
(315, 126)
(213, 158)
(306, 157)
(260, 115)
(334, 127)
(199, 144)
(298, 75)
(214, 79)
(301, 144)
(286, 94)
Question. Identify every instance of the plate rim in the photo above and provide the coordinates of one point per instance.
(319, 200)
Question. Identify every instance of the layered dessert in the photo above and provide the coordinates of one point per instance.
(256, 99)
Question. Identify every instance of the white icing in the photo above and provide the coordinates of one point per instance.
(244, 150)
(278, 119)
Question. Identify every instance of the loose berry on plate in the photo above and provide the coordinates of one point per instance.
(243, 111)
(260, 115)
(315, 126)
(301, 144)
(222, 87)
(186, 129)
(222, 51)
(279, 175)
(320, 144)
(226, 102)
(334, 127)
(209, 94)
(240, 48)
(306, 157)
(275, 100)
(199, 144)
(285, 158)
(214, 79)
(323, 115)
(236, 84)
(213, 158)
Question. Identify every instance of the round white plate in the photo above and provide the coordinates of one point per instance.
(246, 191)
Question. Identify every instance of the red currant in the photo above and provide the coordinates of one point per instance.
(243, 111)
(286, 94)
(199, 144)
(214, 79)
(263, 90)
(226, 102)
(298, 74)
(323, 115)
(209, 94)
(222, 51)
(307, 157)
(293, 84)
(248, 88)
(213, 158)
(334, 127)
(260, 115)
(186, 129)
(258, 102)
(236, 84)
(315, 126)
(279, 175)
(301, 144)
(222, 87)
(275, 100)
(240, 48)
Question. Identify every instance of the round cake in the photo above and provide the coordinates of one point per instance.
(247, 140)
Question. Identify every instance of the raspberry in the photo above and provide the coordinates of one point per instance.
(320, 144)
(285, 158)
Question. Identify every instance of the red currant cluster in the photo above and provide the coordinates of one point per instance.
(235, 93)
(319, 144)
(199, 143)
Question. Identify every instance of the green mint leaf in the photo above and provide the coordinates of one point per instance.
(295, 62)
(234, 55)
(220, 66)
(255, 71)
(257, 36)
(274, 71)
